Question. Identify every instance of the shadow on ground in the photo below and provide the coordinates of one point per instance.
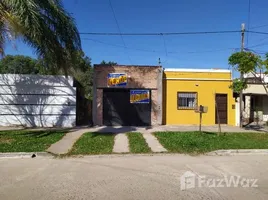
(259, 128)
(122, 129)
(96, 134)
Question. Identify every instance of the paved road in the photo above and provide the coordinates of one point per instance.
(128, 177)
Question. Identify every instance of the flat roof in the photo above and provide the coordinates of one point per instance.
(100, 65)
(197, 70)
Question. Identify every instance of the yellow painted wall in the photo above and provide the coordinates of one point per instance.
(206, 90)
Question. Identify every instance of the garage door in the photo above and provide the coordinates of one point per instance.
(117, 109)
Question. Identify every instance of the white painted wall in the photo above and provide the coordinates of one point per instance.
(250, 75)
(255, 89)
(265, 108)
(37, 101)
(237, 113)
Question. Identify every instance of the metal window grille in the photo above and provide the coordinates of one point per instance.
(187, 100)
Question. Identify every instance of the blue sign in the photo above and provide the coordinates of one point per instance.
(116, 79)
(139, 96)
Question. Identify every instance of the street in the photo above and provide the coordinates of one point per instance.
(129, 177)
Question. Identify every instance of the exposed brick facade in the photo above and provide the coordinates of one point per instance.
(147, 77)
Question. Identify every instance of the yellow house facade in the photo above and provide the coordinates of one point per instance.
(186, 89)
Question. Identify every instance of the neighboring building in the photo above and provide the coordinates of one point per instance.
(127, 95)
(37, 101)
(185, 89)
(255, 98)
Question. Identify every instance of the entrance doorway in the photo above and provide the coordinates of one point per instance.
(221, 111)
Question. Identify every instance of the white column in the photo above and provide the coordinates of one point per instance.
(237, 113)
(247, 107)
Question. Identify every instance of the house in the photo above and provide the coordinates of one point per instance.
(186, 89)
(149, 95)
(255, 98)
(127, 95)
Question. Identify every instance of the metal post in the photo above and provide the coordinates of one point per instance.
(200, 122)
(241, 77)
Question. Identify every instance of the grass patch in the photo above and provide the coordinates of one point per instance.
(137, 143)
(94, 143)
(28, 141)
(195, 142)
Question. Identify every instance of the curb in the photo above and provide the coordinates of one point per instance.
(25, 155)
(231, 152)
(116, 155)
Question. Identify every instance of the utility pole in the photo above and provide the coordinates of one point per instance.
(241, 76)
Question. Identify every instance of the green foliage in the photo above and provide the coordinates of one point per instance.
(81, 71)
(137, 143)
(29, 141)
(245, 62)
(238, 85)
(195, 142)
(19, 65)
(108, 63)
(44, 25)
(94, 143)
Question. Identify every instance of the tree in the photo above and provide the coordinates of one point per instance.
(238, 85)
(108, 63)
(83, 73)
(248, 62)
(43, 25)
(19, 65)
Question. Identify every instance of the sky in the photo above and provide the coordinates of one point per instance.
(160, 16)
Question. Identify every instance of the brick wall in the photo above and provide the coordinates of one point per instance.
(99, 106)
(138, 76)
(146, 77)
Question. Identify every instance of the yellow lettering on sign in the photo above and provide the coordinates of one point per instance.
(117, 80)
(138, 97)
(110, 81)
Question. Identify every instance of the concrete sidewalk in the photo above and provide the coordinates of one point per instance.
(121, 141)
(179, 128)
(214, 128)
(64, 145)
(153, 143)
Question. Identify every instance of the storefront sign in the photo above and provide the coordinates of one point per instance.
(117, 79)
(139, 96)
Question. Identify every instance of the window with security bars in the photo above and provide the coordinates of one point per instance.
(187, 100)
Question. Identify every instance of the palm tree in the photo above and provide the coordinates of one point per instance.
(43, 25)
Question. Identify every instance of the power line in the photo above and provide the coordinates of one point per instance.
(155, 34)
(115, 45)
(154, 51)
(258, 45)
(165, 46)
(256, 51)
(110, 3)
(173, 33)
(265, 38)
(261, 26)
(257, 32)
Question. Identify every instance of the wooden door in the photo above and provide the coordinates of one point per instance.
(221, 111)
